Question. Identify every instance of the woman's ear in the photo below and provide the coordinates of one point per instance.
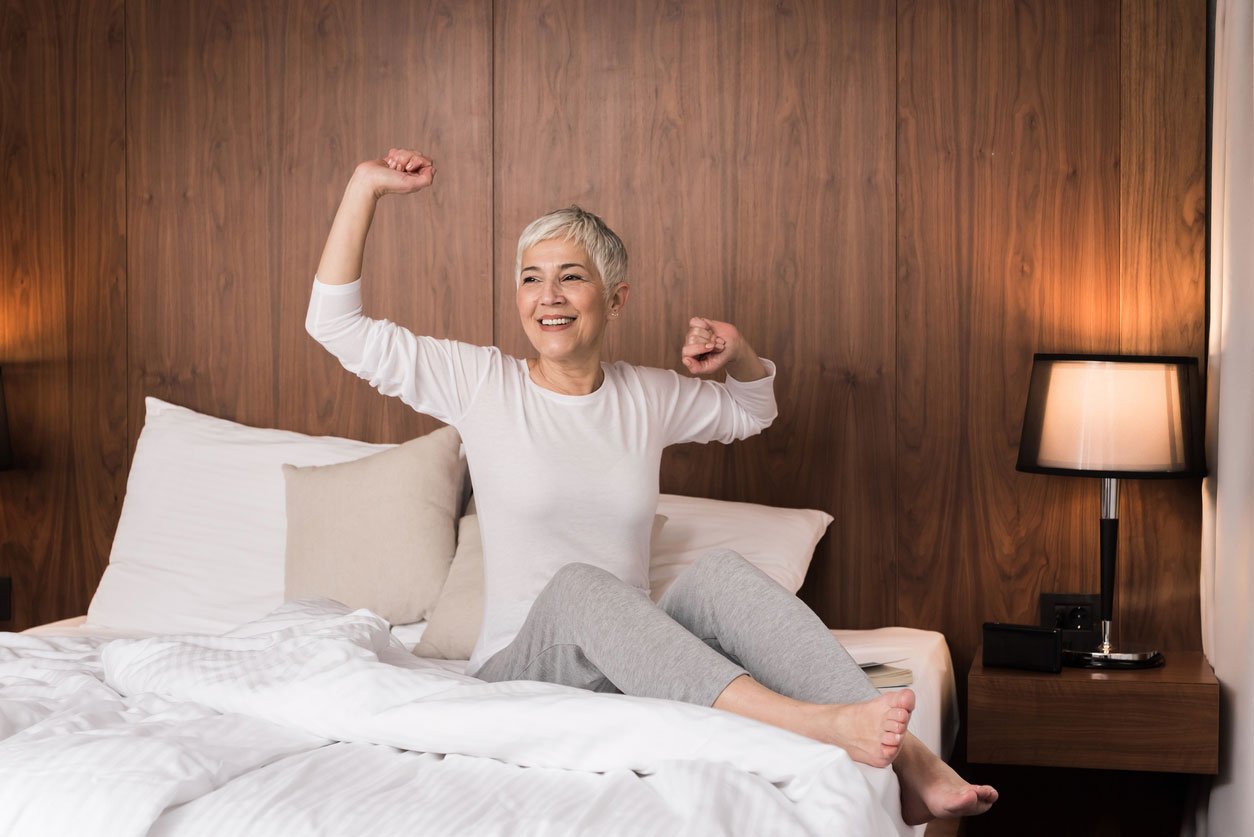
(618, 299)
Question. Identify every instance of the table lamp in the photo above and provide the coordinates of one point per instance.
(1114, 417)
(6, 450)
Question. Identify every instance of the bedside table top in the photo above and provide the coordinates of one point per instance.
(1184, 667)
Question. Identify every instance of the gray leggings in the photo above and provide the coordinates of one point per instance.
(723, 617)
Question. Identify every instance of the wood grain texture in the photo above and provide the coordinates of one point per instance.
(1162, 293)
(744, 152)
(93, 68)
(1164, 719)
(359, 78)
(203, 133)
(36, 495)
(1007, 244)
(276, 104)
(62, 300)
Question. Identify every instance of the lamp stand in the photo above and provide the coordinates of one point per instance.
(1106, 655)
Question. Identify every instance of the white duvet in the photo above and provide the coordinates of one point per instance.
(316, 721)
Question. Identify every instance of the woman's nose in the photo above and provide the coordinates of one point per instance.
(551, 293)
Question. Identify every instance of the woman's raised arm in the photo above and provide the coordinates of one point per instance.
(436, 377)
(400, 172)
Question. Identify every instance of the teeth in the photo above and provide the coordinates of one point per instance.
(556, 321)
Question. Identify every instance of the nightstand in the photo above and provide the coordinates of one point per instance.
(1162, 719)
(1091, 752)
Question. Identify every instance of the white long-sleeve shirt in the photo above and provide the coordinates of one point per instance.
(557, 478)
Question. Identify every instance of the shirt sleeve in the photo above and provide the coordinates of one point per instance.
(695, 410)
(437, 377)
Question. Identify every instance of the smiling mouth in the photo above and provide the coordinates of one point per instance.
(556, 322)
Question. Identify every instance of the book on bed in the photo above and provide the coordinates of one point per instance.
(884, 676)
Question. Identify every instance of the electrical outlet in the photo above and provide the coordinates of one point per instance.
(6, 599)
(1077, 614)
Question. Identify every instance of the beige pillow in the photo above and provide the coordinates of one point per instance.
(376, 532)
(453, 627)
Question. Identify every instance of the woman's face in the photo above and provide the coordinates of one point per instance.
(561, 300)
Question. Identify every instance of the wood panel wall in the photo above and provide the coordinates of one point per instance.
(898, 203)
(359, 78)
(1008, 230)
(1162, 293)
(203, 126)
(63, 294)
(1051, 187)
(245, 122)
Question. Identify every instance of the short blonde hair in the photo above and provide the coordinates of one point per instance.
(602, 245)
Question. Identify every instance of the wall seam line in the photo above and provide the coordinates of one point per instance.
(896, 545)
(126, 229)
(492, 188)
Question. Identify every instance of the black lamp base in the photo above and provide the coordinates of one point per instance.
(1128, 657)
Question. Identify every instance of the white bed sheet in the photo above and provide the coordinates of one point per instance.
(318, 720)
(925, 653)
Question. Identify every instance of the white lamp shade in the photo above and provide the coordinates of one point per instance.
(1111, 416)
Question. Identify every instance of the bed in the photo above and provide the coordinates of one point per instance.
(216, 687)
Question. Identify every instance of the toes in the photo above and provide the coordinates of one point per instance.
(973, 799)
(902, 700)
(893, 723)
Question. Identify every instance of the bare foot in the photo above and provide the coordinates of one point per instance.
(930, 789)
(871, 732)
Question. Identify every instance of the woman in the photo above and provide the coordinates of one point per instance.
(565, 451)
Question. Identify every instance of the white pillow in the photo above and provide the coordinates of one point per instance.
(200, 543)
(780, 542)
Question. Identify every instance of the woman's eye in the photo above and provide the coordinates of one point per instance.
(572, 276)
(527, 279)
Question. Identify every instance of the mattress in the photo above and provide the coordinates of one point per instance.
(925, 653)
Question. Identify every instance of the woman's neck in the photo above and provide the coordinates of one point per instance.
(566, 378)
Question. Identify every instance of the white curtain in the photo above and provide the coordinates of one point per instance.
(1228, 493)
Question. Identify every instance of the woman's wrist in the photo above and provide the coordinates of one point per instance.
(360, 189)
(746, 366)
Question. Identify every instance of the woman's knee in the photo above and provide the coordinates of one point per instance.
(720, 562)
(579, 576)
(706, 576)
